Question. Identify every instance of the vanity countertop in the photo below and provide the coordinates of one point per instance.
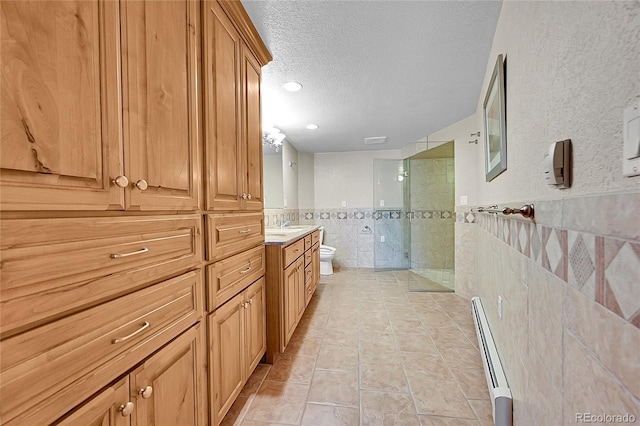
(283, 236)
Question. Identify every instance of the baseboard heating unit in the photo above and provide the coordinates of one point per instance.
(496, 381)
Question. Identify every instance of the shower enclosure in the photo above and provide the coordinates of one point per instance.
(414, 212)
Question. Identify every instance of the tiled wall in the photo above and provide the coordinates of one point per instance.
(345, 229)
(432, 190)
(569, 338)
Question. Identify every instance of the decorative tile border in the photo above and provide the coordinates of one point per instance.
(603, 268)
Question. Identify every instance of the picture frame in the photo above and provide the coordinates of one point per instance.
(495, 123)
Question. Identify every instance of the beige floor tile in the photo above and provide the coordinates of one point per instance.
(429, 366)
(278, 402)
(341, 337)
(483, 410)
(307, 347)
(449, 337)
(334, 357)
(412, 342)
(295, 369)
(373, 351)
(461, 357)
(330, 415)
(255, 380)
(237, 411)
(335, 387)
(472, 382)
(383, 377)
(446, 421)
(440, 398)
(384, 408)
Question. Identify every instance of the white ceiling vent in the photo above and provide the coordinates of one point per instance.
(375, 140)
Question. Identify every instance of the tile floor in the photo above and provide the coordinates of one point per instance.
(445, 277)
(369, 352)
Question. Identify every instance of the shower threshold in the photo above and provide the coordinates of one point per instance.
(440, 280)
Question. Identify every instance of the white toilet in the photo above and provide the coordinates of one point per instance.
(327, 253)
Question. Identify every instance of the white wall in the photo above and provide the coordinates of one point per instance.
(306, 172)
(571, 69)
(290, 175)
(465, 155)
(272, 169)
(346, 176)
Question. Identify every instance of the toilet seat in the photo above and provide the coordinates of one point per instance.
(327, 249)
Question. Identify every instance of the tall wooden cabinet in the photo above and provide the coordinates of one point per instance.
(232, 127)
(232, 58)
(130, 147)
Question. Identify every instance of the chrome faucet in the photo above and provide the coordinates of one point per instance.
(285, 224)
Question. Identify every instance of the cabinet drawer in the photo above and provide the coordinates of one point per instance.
(228, 277)
(307, 257)
(315, 237)
(308, 274)
(307, 242)
(50, 369)
(55, 266)
(293, 251)
(232, 233)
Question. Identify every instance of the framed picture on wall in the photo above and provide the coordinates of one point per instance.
(495, 123)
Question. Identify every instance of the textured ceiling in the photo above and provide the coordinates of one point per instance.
(401, 69)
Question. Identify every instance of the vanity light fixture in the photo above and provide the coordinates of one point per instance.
(292, 86)
(273, 137)
(312, 126)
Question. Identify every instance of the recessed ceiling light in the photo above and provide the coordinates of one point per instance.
(312, 126)
(292, 86)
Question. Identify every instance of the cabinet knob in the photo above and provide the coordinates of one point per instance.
(141, 184)
(126, 409)
(250, 301)
(121, 181)
(248, 196)
(146, 392)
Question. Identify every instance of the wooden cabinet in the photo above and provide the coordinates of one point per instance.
(293, 298)
(64, 361)
(232, 126)
(108, 408)
(62, 108)
(167, 389)
(237, 342)
(292, 277)
(160, 46)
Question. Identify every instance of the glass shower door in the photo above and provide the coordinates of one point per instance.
(392, 227)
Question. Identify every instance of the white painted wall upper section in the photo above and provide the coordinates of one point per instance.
(346, 176)
(572, 67)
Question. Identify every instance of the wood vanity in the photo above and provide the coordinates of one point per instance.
(292, 276)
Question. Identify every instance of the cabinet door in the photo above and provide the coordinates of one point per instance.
(315, 264)
(255, 324)
(168, 389)
(222, 96)
(60, 105)
(252, 131)
(105, 409)
(160, 62)
(293, 295)
(226, 377)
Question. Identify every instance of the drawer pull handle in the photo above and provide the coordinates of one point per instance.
(245, 231)
(119, 255)
(296, 250)
(126, 409)
(138, 331)
(244, 271)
